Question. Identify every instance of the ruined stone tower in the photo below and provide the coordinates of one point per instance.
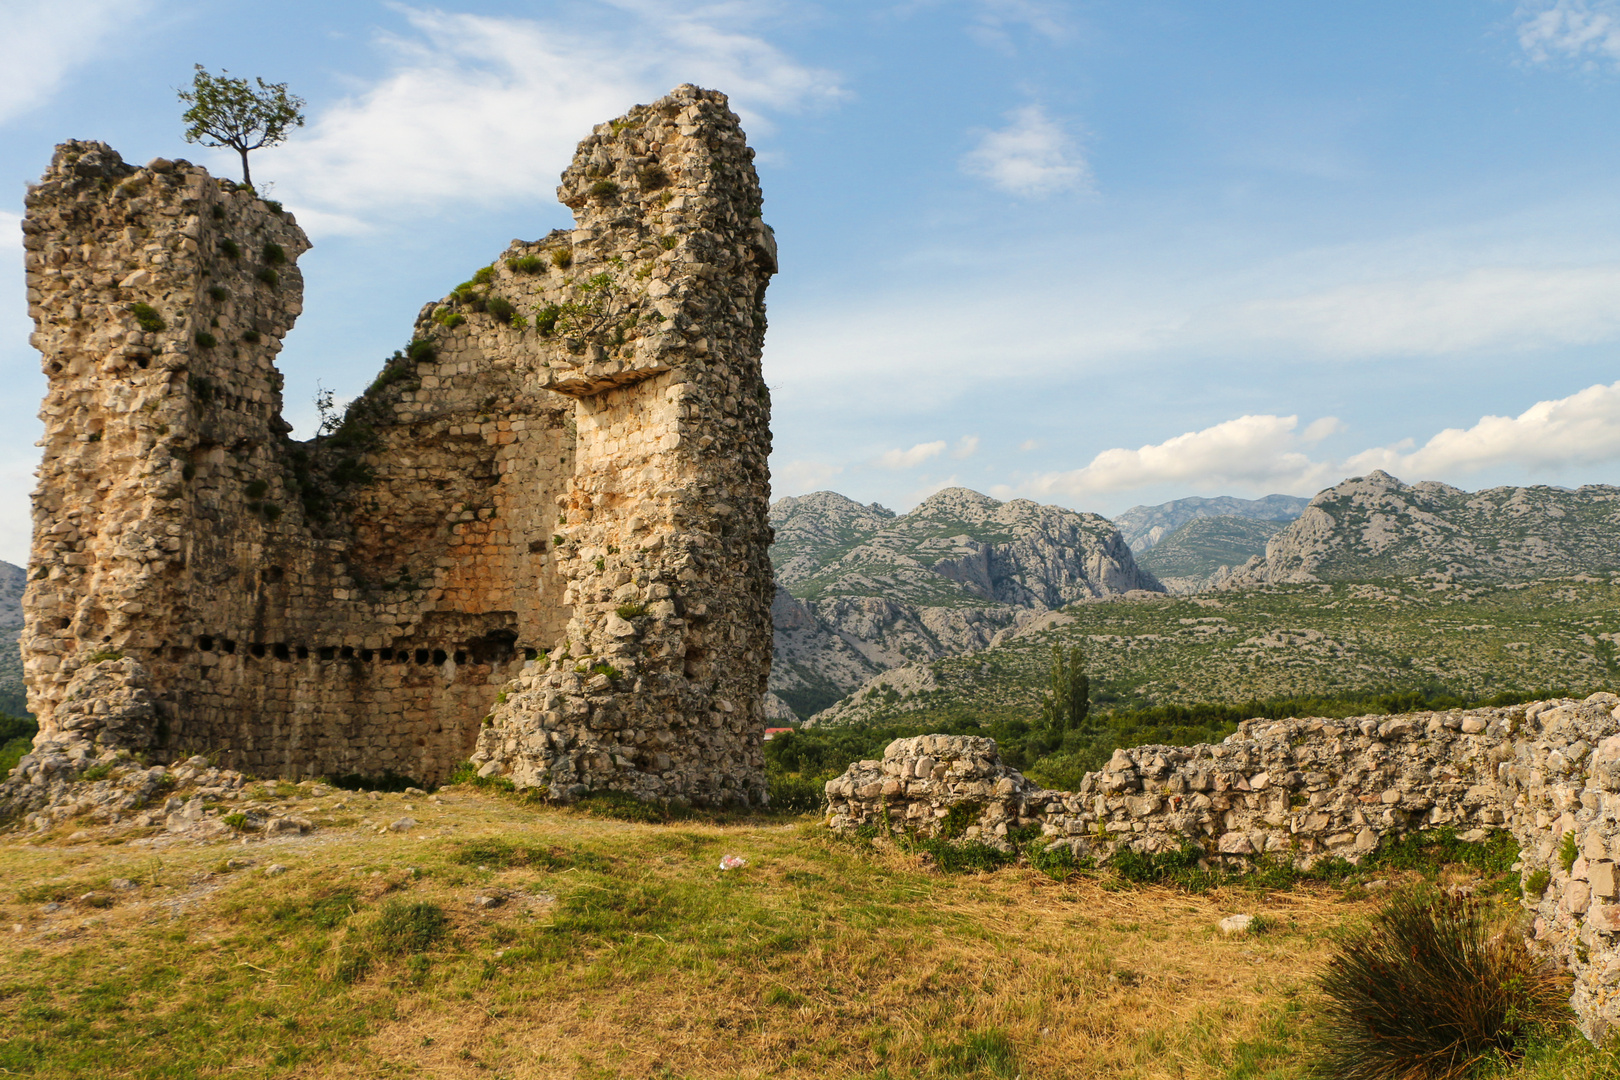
(545, 521)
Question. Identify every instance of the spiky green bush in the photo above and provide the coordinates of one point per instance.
(1433, 988)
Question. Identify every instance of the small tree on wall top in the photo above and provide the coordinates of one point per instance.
(229, 112)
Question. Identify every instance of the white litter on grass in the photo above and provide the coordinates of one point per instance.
(732, 862)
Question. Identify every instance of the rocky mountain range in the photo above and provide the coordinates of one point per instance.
(861, 590)
(12, 580)
(1377, 527)
(1145, 526)
(1205, 551)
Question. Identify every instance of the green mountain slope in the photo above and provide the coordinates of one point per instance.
(1144, 527)
(861, 590)
(1204, 545)
(1375, 526)
(1281, 641)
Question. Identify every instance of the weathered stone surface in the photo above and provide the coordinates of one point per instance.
(1331, 788)
(563, 479)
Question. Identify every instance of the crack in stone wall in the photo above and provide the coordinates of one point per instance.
(562, 480)
(1305, 789)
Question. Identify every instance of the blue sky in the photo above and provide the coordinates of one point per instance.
(1094, 254)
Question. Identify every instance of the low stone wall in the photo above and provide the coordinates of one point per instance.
(1304, 789)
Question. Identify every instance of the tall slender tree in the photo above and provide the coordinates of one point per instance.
(229, 112)
(1068, 693)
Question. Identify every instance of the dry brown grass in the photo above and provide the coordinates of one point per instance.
(819, 959)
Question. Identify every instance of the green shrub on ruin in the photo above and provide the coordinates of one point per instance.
(501, 308)
(218, 292)
(147, 317)
(274, 254)
(1568, 852)
(526, 264)
(603, 189)
(562, 258)
(631, 611)
(231, 249)
(205, 340)
(268, 276)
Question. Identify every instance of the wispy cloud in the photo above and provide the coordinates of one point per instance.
(965, 447)
(489, 109)
(1576, 30)
(1489, 308)
(1033, 156)
(41, 43)
(910, 459)
(1582, 429)
(1250, 451)
(799, 477)
(1270, 452)
(994, 21)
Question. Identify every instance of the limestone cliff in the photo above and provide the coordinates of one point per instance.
(871, 591)
(562, 476)
(1207, 550)
(1377, 527)
(1145, 526)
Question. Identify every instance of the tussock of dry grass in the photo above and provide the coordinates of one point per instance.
(622, 950)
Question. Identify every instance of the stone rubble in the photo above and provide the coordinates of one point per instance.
(1304, 789)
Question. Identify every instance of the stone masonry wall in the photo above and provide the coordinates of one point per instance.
(659, 688)
(1303, 789)
(581, 424)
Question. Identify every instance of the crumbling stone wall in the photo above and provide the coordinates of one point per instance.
(1304, 789)
(564, 472)
(659, 689)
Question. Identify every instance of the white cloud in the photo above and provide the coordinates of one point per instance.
(1491, 308)
(487, 109)
(1251, 451)
(1032, 156)
(1317, 430)
(966, 447)
(1029, 444)
(17, 528)
(1582, 429)
(910, 459)
(42, 42)
(1571, 29)
(1267, 452)
(995, 18)
(800, 477)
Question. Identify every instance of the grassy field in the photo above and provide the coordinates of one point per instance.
(1293, 641)
(619, 949)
